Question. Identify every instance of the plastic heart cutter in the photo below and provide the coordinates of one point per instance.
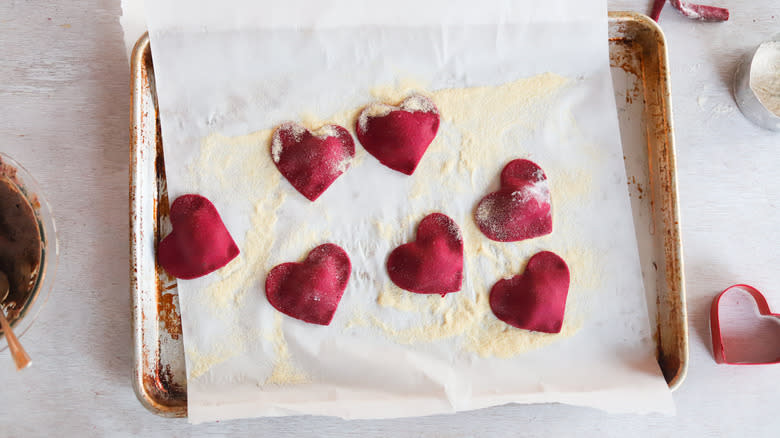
(742, 339)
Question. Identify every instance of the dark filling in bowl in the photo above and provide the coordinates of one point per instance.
(20, 245)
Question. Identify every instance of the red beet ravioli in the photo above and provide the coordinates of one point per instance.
(398, 136)
(311, 161)
(521, 208)
(310, 290)
(536, 299)
(199, 243)
(433, 263)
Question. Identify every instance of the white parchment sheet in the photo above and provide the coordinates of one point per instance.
(227, 73)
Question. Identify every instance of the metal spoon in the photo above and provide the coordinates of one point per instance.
(17, 351)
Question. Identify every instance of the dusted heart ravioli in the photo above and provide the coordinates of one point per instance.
(398, 136)
(536, 299)
(433, 263)
(199, 243)
(521, 208)
(310, 290)
(311, 161)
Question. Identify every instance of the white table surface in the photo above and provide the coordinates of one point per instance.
(64, 112)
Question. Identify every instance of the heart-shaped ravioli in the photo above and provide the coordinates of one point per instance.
(433, 263)
(398, 136)
(311, 161)
(199, 243)
(310, 290)
(536, 299)
(521, 208)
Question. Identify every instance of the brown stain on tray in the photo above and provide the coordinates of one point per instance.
(168, 309)
(166, 391)
(168, 297)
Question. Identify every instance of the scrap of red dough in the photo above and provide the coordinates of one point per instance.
(520, 209)
(536, 299)
(199, 243)
(311, 161)
(693, 11)
(658, 6)
(311, 290)
(433, 263)
(700, 12)
(398, 136)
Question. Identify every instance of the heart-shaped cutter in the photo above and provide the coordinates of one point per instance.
(718, 348)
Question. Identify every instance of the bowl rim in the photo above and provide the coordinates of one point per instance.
(31, 190)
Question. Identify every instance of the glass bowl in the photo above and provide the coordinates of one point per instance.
(49, 248)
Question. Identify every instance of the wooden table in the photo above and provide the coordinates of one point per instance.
(64, 94)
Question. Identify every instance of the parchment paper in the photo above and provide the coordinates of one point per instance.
(224, 72)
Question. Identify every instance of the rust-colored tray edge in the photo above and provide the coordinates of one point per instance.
(672, 317)
(151, 377)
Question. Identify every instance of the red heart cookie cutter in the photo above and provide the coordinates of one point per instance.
(754, 346)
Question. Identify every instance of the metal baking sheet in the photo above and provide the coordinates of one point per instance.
(641, 78)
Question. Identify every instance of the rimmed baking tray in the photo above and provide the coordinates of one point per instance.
(641, 77)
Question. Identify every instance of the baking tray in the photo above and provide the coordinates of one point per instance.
(641, 77)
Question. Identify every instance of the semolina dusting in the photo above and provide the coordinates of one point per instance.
(466, 158)
(481, 138)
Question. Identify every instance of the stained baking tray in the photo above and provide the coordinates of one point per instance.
(641, 78)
